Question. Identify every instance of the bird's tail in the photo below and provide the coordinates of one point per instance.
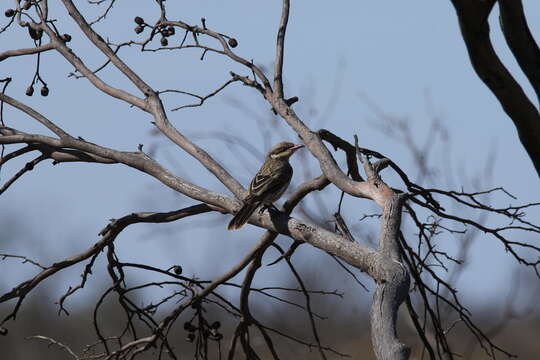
(242, 216)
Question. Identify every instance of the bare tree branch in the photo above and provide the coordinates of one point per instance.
(521, 41)
(280, 50)
(28, 51)
(473, 20)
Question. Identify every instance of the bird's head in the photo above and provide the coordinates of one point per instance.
(283, 150)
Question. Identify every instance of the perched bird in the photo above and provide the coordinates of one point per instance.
(269, 183)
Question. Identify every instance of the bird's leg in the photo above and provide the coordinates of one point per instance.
(263, 208)
(268, 206)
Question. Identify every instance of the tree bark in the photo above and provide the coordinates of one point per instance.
(473, 21)
(392, 289)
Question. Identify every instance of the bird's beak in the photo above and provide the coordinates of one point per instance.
(296, 147)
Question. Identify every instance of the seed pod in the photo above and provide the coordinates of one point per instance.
(233, 43)
(164, 41)
(189, 327)
(138, 20)
(35, 34)
(215, 325)
(196, 304)
(139, 29)
(10, 13)
(29, 91)
(44, 90)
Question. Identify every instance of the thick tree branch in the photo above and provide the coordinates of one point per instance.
(163, 124)
(473, 17)
(390, 293)
(521, 41)
(152, 104)
(352, 253)
(327, 163)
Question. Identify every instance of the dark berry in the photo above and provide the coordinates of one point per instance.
(10, 13)
(233, 43)
(196, 304)
(30, 90)
(139, 29)
(35, 34)
(215, 325)
(188, 326)
(138, 20)
(177, 269)
(171, 30)
(164, 41)
(66, 38)
(44, 91)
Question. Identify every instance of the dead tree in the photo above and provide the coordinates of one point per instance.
(402, 271)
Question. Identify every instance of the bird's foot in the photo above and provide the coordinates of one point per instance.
(270, 207)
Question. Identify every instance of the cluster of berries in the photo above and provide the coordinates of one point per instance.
(205, 329)
(167, 31)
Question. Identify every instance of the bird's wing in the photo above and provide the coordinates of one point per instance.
(268, 181)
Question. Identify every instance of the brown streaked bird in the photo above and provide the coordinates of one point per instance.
(269, 183)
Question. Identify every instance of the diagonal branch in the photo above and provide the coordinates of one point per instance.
(474, 26)
(520, 40)
(152, 104)
(32, 113)
(74, 60)
(328, 164)
(28, 167)
(4, 159)
(105, 49)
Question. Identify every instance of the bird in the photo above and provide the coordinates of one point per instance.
(268, 184)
